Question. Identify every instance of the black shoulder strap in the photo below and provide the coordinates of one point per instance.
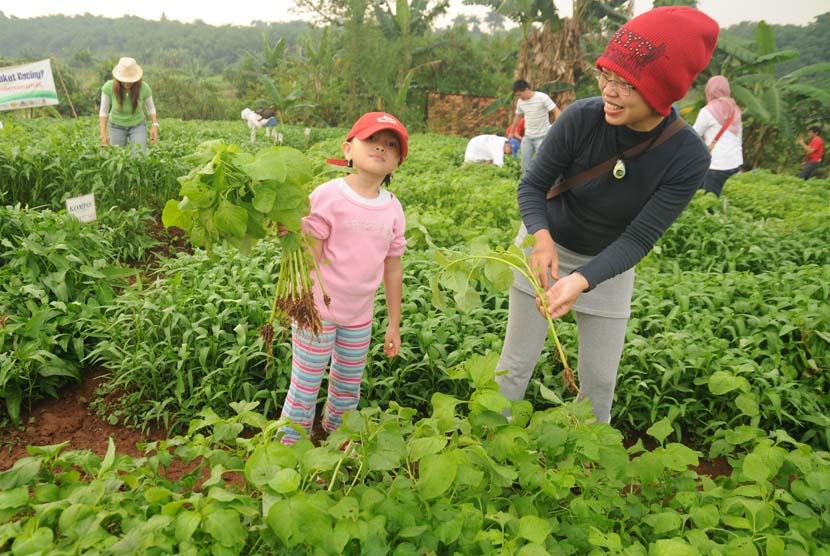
(587, 175)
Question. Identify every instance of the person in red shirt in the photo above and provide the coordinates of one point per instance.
(814, 152)
(515, 132)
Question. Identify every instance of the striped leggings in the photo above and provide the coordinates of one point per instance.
(346, 347)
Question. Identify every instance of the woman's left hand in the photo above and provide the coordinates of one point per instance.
(154, 135)
(563, 294)
(392, 342)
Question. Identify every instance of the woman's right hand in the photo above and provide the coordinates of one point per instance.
(105, 140)
(544, 258)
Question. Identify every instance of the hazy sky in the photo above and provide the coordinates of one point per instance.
(242, 12)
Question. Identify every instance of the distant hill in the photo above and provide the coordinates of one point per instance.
(88, 38)
(812, 41)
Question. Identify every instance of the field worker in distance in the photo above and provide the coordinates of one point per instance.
(515, 133)
(489, 149)
(813, 151)
(719, 123)
(359, 227)
(124, 102)
(589, 237)
(265, 118)
(535, 107)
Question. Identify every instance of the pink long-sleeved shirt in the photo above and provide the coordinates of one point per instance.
(357, 236)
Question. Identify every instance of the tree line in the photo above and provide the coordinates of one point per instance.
(363, 55)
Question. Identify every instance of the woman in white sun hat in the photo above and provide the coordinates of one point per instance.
(126, 101)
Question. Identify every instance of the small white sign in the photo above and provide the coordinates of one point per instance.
(82, 208)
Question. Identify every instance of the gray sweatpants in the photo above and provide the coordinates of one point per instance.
(600, 347)
(601, 319)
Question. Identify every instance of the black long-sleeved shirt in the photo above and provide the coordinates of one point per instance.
(617, 220)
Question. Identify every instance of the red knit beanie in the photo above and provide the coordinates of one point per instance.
(661, 52)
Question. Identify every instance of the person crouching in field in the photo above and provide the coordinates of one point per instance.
(124, 102)
(489, 149)
(359, 227)
(634, 165)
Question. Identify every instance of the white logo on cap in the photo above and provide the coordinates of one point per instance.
(387, 120)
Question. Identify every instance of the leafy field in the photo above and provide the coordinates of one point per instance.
(727, 356)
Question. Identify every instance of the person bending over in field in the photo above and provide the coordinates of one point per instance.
(124, 102)
(589, 237)
(489, 149)
(359, 227)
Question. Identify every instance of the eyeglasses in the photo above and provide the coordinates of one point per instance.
(620, 87)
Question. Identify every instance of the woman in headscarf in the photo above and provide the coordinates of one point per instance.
(719, 123)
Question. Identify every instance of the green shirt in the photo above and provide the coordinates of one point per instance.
(123, 115)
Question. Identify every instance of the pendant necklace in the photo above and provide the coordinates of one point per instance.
(619, 169)
(619, 166)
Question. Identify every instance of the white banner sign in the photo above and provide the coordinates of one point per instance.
(27, 86)
(82, 208)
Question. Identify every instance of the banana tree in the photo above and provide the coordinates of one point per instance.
(410, 20)
(286, 98)
(771, 104)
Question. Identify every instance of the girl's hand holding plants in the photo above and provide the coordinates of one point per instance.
(154, 135)
(392, 342)
(563, 294)
(544, 257)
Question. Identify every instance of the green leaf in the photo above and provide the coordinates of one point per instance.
(297, 166)
(265, 195)
(109, 458)
(269, 165)
(660, 430)
(775, 546)
(23, 471)
(226, 528)
(320, 459)
(721, 382)
(663, 522)
(421, 447)
(436, 475)
(231, 219)
(266, 461)
(172, 215)
(706, 516)
(186, 524)
(38, 542)
(285, 481)
(14, 498)
(610, 540)
(763, 463)
(499, 274)
(747, 404)
(673, 547)
(386, 452)
(346, 509)
(200, 195)
(489, 400)
(534, 528)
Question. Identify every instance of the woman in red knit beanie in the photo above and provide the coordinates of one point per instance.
(623, 166)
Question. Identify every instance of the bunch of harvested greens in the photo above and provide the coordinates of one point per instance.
(236, 196)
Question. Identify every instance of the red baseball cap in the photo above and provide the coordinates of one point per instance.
(372, 122)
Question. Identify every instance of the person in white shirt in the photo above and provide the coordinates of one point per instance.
(488, 149)
(719, 123)
(536, 107)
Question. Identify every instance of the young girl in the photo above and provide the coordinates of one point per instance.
(359, 227)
